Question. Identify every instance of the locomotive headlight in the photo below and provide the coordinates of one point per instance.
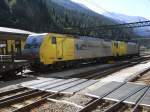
(4, 67)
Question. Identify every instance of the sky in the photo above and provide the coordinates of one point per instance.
(127, 7)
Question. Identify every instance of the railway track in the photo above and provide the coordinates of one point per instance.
(32, 74)
(122, 64)
(110, 106)
(28, 99)
(103, 105)
(99, 105)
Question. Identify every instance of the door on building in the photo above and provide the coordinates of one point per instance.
(3, 47)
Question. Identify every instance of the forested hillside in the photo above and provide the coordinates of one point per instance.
(45, 16)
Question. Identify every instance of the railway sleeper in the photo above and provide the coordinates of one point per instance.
(20, 98)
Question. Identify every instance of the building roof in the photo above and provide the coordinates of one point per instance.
(15, 31)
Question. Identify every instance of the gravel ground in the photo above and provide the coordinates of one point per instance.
(55, 107)
(78, 99)
(65, 104)
(145, 79)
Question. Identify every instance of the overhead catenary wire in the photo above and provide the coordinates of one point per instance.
(117, 29)
(98, 6)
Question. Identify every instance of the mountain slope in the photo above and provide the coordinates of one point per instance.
(68, 4)
(121, 18)
(71, 5)
(46, 16)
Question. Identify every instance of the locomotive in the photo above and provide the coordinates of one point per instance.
(50, 49)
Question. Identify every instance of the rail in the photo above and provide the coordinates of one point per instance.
(89, 107)
(112, 108)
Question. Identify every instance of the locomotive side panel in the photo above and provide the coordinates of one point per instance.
(107, 48)
(122, 48)
(92, 48)
(68, 48)
(132, 48)
(84, 49)
(48, 50)
(119, 48)
(114, 48)
(57, 48)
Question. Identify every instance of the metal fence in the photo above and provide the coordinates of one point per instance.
(6, 58)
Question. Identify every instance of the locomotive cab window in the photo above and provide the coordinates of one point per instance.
(116, 44)
(53, 40)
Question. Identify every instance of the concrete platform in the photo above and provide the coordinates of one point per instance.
(121, 75)
(122, 92)
(146, 100)
(69, 86)
(71, 73)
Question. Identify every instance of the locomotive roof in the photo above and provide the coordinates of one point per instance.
(89, 38)
(38, 34)
(81, 37)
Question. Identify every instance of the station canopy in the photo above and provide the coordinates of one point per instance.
(11, 33)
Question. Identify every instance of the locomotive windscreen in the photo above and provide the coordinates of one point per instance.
(33, 44)
(34, 41)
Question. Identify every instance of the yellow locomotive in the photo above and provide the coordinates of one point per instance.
(59, 49)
